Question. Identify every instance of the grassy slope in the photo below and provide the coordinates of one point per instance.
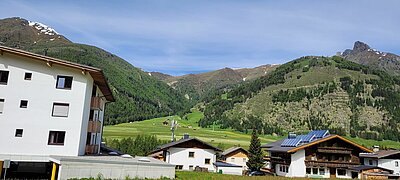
(223, 138)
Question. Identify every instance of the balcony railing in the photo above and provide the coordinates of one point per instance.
(96, 103)
(92, 149)
(94, 126)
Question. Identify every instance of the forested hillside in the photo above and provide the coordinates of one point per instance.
(138, 95)
(196, 87)
(313, 93)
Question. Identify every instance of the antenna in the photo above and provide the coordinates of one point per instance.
(174, 125)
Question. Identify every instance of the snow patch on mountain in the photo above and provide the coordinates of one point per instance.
(43, 28)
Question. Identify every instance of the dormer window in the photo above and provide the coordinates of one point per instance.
(64, 82)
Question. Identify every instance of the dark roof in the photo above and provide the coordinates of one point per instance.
(172, 144)
(96, 73)
(380, 154)
(224, 164)
(366, 167)
(277, 145)
(233, 149)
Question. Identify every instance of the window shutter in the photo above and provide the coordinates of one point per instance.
(60, 110)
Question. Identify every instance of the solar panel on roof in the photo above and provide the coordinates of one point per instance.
(307, 138)
(319, 133)
(291, 142)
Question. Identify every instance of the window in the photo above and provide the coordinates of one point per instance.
(232, 159)
(283, 168)
(56, 137)
(315, 170)
(179, 167)
(207, 161)
(4, 77)
(191, 154)
(341, 172)
(191, 167)
(244, 160)
(1, 105)
(321, 171)
(28, 76)
(370, 162)
(64, 82)
(60, 110)
(396, 163)
(308, 170)
(18, 132)
(23, 104)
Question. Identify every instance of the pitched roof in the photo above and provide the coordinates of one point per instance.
(232, 149)
(294, 145)
(366, 167)
(224, 164)
(380, 154)
(181, 141)
(96, 73)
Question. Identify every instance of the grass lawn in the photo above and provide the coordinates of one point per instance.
(186, 175)
(222, 138)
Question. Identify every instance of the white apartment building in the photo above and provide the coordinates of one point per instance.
(49, 106)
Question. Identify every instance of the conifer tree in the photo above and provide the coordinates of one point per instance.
(255, 153)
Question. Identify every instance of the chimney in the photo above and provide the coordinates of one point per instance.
(291, 135)
(186, 136)
(375, 148)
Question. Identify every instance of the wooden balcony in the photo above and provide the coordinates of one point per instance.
(92, 149)
(96, 103)
(334, 150)
(94, 126)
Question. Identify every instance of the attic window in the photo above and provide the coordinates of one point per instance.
(191, 154)
(18, 132)
(28, 76)
(23, 104)
(207, 161)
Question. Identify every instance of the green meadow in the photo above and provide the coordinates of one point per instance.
(222, 138)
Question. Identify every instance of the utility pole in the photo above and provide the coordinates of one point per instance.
(173, 127)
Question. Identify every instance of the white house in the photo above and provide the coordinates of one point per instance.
(317, 154)
(189, 153)
(388, 159)
(237, 156)
(51, 109)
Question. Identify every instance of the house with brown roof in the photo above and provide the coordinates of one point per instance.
(236, 155)
(317, 154)
(188, 154)
(389, 159)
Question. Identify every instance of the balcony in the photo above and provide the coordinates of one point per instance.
(94, 126)
(96, 103)
(92, 149)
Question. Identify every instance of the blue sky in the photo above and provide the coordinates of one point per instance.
(187, 36)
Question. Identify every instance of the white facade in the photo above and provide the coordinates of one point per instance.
(229, 170)
(241, 161)
(180, 157)
(391, 164)
(37, 120)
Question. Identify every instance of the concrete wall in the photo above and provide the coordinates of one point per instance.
(180, 156)
(113, 171)
(297, 166)
(36, 120)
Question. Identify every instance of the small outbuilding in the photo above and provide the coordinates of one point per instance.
(227, 168)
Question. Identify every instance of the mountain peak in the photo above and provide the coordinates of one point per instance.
(360, 46)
